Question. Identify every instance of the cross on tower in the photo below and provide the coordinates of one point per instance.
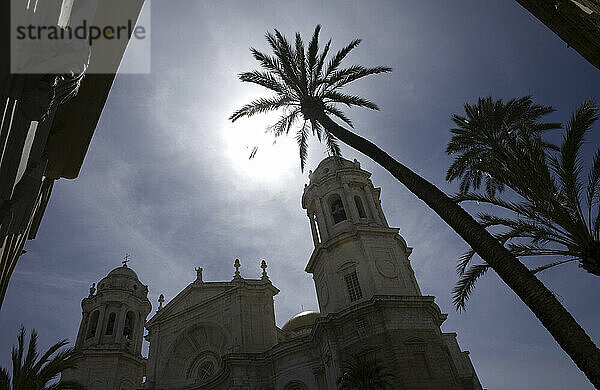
(125, 259)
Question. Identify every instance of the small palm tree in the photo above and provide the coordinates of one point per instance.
(501, 144)
(308, 92)
(35, 372)
(364, 373)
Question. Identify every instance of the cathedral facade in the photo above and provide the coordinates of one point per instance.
(222, 335)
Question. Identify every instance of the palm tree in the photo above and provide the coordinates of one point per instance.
(503, 144)
(307, 90)
(35, 372)
(364, 373)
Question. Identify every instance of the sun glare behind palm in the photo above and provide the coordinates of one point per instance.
(270, 162)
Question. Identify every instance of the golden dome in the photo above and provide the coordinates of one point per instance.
(305, 319)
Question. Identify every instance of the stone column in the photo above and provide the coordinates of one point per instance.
(100, 325)
(321, 219)
(14, 150)
(371, 203)
(82, 329)
(120, 324)
(351, 206)
(152, 359)
(138, 333)
(381, 213)
(313, 228)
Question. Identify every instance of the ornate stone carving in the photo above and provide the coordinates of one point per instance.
(386, 268)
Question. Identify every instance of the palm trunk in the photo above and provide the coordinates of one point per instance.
(554, 317)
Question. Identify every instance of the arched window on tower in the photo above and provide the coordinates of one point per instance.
(359, 207)
(129, 324)
(337, 209)
(110, 326)
(92, 324)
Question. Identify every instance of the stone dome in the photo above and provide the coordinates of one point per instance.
(124, 279)
(123, 271)
(300, 321)
(329, 166)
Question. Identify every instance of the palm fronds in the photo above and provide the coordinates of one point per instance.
(481, 137)
(4, 379)
(502, 145)
(365, 373)
(34, 372)
(305, 83)
(464, 287)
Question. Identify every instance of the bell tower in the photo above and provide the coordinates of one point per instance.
(356, 252)
(111, 331)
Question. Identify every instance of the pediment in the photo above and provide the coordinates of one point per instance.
(194, 295)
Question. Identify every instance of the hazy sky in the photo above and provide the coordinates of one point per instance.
(167, 178)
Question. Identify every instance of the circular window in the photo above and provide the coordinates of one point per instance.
(205, 367)
(295, 385)
(206, 370)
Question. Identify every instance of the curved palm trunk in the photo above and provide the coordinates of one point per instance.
(553, 316)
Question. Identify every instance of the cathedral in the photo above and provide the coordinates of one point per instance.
(222, 335)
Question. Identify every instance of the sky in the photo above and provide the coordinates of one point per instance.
(167, 177)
